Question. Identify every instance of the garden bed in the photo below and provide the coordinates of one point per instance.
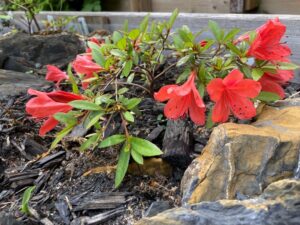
(72, 187)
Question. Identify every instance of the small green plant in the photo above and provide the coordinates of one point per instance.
(31, 9)
(25, 200)
(59, 24)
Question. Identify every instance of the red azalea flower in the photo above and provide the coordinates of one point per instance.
(54, 74)
(232, 94)
(273, 82)
(183, 99)
(45, 105)
(96, 41)
(267, 46)
(84, 65)
(203, 43)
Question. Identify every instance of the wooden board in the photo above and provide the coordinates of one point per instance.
(280, 6)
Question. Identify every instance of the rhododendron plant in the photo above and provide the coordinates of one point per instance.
(220, 77)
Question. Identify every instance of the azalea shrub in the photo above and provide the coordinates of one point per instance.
(234, 72)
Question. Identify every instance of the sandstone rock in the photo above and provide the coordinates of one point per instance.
(151, 167)
(278, 205)
(22, 52)
(241, 160)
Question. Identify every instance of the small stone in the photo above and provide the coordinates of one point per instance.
(157, 207)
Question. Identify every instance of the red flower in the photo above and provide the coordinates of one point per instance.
(273, 82)
(203, 43)
(94, 40)
(54, 74)
(267, 46)
(232, 94)
(45, 105)
(183, 99)
(84, 65)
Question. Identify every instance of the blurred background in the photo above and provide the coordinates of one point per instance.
(189, 6)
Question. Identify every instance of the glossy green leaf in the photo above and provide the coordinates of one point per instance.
(132, 103)
(85, 105)
(134, 34)
(65, 118)
(25, 199)
(91, 141)
(137, 157)
(72, 80)
(287, 66)
(112, 140)
(128, 116)
(144, 147)
(60, 135)
(144, 24)
(209, 123)
(257, 73)
(93, 118)
(117, 52)
(215, 29)
(130, 78)
(233, 48)
(183, 60)
(122, 165)
(116, 37)
(268, 96)
(231, 34)
(173, 18)
(127, 68)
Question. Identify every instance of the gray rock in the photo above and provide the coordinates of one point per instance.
(157, 207)
(22, 52)
(278, 205)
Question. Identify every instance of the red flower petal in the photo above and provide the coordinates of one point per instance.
(241, 107)
(48, 125)
(271, 86)
(164, 93)
(186, 88)
(246, 88)
(215, 89)
(197, 113)
(233, 77)
(55, 74)
(177, 107)
(220, 111)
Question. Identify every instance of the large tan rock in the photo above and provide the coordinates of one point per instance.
(240, 160)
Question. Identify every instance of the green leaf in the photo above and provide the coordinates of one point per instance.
(72, 80)
(287, 66)
(173, 18)
(117, 52)
(132, 103)
(60, 135)
(89, 142)
(201, 89)
(134, 34)
(117, 36)
(231, 34)
(93, 118)
(97, 55)
(25, 199)
(127, 68)
(144, 147)
(233, 48)
(125, 26)
(267, 96)
(122, 165)
(106, 98)
(112, 140)
(257, 73)
(144, 24)
(178, 42)
(85, 105)
(216, 30)
(128, 116)
(123, 90)
(130, 78)
(183, 60)
(65, 118)
(122, 43)
(137, 157)
(182, 77)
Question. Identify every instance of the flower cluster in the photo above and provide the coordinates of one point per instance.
(232, 72)
(233, 93)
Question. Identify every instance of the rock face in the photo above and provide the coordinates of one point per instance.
(241, 160)
(22, 52)
(278, 205)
